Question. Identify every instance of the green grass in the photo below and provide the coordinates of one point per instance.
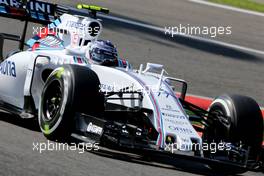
(243, 4)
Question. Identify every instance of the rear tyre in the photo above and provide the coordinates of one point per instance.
(245, 125)
(69, 89)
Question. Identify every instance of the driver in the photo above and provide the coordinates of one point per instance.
(103, 52)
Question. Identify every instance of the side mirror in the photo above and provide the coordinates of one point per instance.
(183, 83)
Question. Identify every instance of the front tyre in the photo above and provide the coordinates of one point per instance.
(243, 127)
(69, 89)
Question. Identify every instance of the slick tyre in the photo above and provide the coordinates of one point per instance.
(245, 125)
(69, 89)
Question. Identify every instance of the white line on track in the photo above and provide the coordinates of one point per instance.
(197, 38)
(227, 7)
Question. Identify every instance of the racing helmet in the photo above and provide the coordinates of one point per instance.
(102, 52)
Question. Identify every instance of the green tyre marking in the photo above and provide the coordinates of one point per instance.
(59, 72)
(46, 129)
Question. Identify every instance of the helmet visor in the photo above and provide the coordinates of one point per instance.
(101, 55)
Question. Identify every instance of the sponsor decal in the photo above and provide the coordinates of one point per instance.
(173, 116)
(181, 129)
(41, 7)
(94, 129)
(80, 60)
(8, 68)
(166, 93)
(175, 122)
(12, 3)
(169, 108)
(36, 6)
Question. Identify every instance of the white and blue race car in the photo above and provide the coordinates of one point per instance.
(54, 81)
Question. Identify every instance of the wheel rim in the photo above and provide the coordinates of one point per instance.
(52, 100)
(219, 130)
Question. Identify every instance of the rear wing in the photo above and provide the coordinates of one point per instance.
(42, 13)
(32, 11)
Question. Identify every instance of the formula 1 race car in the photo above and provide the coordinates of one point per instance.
(54, 82)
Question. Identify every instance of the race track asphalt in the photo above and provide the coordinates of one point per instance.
(210, 71)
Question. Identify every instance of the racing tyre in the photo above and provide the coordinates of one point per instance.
(68, 89)
(245, 125)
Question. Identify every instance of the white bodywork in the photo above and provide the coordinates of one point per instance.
(22, 75)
